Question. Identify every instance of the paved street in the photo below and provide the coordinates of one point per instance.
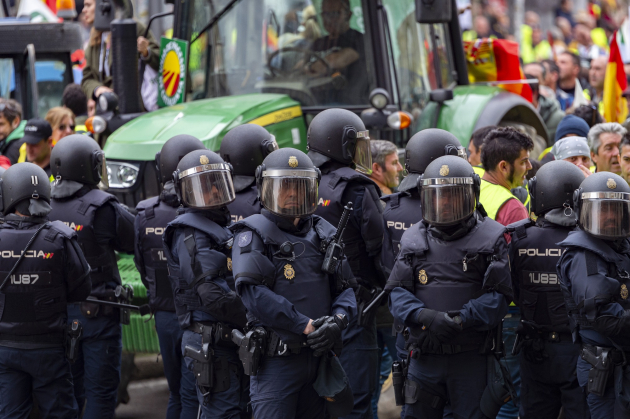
(148, 400)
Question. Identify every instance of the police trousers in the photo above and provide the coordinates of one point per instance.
(228, 404)
(182, 402)
(96, 372)
(458, 379)
(615, 403)
(552, 384)
(42, 373)
(359, 359)
(283, 388)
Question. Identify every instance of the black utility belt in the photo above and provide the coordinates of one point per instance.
(276, 347)
(445, 349)
(217, 333)
(58, 338)
(551, 337)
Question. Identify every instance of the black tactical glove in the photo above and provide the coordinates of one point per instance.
(328, 333)
(429, 343)
(439, 323)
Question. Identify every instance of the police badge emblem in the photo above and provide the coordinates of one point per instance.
(289, 272)
(444, 170)
(229, 264)
(624, 291)
(611, 183)
(204, 159)
(422, 277)
(293, 161)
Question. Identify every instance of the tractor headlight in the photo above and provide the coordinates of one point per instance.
(122, 175)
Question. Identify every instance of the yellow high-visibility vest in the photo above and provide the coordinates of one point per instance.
(492, 197)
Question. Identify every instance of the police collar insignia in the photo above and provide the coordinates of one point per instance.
(229, 264)
(204, 159)
(624, 291)
(244, 239)
(289, 272)
(611, 183)
(293, 161)
(422, 277)
(444, 170)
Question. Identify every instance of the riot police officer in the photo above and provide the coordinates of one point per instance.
(153, 216)
(103, 226)
(43, 270)
(402, 209)
(245, 148)
(278, 269)
(594, 280)
(548, 355)
(198, 250)
(449, 287)
(339, 145)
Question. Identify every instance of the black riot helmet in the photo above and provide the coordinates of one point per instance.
(449, 191)
(603, 205)
(424, 147)
(245, 147)
(287, 183)
(25, 181)
(340, 135)
(203, 180)
(79, 158)
(553, 187)
(173, 150)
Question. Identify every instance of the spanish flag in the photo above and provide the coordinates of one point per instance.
(615, 105)
(490, 60)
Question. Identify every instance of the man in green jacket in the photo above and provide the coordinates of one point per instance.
(11, 129)
(98, 60)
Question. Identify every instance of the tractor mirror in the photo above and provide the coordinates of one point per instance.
(434, 11)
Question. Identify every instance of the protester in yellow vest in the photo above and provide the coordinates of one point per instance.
(505, 158)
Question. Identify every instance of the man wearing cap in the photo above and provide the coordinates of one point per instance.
(574, 150)
(570, 126)
(604, 140)
(38, 139)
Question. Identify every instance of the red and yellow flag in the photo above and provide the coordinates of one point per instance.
(615, 105)
(496, 60)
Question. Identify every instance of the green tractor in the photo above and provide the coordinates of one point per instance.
(251, 61)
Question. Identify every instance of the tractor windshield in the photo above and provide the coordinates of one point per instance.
(317, 52)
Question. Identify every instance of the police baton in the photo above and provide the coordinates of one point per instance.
(143, 309)
(374, 302)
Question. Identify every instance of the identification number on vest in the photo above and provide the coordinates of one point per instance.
(30, 278)
(540, 278)
(157, 255)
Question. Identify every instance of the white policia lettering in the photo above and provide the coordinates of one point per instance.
(6, 254)
(157, 231)
(398, 225)
(236, 218)
(538, 252)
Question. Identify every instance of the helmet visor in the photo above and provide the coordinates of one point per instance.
(290, 195)
(446, 204)
(606, 214)
(363, 154)
(207, 188)
(102, 169)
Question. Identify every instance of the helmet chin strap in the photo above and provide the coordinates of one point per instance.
(454, 232)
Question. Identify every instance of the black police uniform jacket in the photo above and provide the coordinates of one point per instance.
(78, 212)
(198, 247)
(594, 277)
(363, 236)
(283, 291)
(245, 204)
(534, 253)
(470, 275)
(52, 273)
(402, 210)
(153, 216)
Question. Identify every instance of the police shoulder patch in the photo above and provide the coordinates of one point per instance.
(244, 238)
